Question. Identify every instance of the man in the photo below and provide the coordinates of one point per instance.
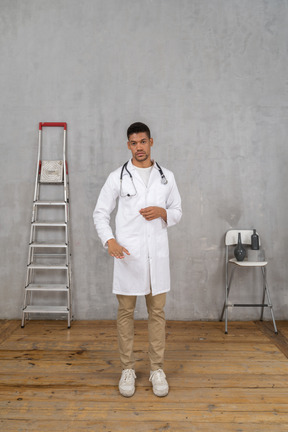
(149, 202)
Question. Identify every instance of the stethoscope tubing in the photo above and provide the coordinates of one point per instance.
(163, 178)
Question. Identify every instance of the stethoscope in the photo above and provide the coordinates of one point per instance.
(163, 178)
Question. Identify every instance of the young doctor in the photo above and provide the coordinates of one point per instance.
(148, 203)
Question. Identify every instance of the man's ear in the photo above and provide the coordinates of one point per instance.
(151, 142)
(128, 145)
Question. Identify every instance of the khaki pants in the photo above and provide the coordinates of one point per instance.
(156, 329)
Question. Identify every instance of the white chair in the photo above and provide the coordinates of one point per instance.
(231, 240)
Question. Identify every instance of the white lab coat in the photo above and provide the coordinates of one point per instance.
(147, 241)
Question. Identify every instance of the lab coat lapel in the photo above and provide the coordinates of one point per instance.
(153, 175)
(135, 174)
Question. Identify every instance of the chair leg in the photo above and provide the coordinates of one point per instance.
(264, 292)
(227, 290)
(269, 301)
(225, 306)
(273, 319)
(223, 309)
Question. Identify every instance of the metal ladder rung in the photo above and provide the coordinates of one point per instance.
(52, 183)
(49, 256)
(48, 266)
(47, 287)
(50, 203)
(48, 245)
(49, 224)
(46, 309)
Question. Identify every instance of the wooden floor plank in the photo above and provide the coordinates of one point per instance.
(150, 415)
(106, 394)
(20, 406)
(133, 426)
(187, 382)
(41, 341)
(267, 353)
(174, 367)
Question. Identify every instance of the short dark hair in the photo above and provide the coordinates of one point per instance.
(137, 128)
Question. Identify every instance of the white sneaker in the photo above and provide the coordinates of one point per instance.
(127, 383)
(159, 383)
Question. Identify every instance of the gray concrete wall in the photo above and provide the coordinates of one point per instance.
(208, 76)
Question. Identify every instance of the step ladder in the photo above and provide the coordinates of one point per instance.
(48, 278)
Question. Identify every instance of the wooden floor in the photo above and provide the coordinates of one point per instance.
(55, 379)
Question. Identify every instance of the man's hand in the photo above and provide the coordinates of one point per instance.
(116, 250)
(150, 213)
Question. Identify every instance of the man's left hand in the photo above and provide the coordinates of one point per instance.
(150, 213)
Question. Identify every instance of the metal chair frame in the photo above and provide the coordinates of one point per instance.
(231, 239)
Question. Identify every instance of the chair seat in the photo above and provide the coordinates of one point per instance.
(246, 263)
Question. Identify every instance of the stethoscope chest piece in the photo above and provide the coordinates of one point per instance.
(164, 180)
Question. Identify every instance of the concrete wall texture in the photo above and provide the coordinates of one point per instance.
(209, 77)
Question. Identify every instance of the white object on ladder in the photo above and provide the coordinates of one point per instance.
(49, 172)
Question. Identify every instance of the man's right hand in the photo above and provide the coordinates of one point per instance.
(116, 250)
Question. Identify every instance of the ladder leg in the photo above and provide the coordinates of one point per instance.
(69, 318)
(23, 319)
(226, 320)
(66, 235)
(23, 309)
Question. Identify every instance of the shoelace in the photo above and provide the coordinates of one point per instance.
(128, 375)
(158, 375)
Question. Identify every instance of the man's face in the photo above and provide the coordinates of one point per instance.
(140, 146)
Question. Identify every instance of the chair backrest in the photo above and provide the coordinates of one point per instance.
(231, 237)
